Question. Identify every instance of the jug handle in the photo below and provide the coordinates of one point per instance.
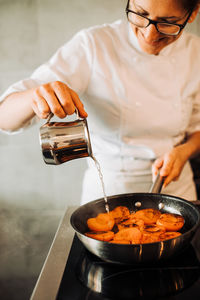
(51, 115)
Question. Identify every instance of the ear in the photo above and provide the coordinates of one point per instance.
(194, 14)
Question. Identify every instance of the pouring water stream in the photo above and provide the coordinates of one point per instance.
(102, 182)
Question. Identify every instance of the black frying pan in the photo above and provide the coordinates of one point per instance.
(141, 253)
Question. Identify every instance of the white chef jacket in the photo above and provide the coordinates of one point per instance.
(139, 105)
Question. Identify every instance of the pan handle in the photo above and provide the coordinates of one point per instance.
(157, 184)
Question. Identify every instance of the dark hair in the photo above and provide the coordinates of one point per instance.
(189, 5)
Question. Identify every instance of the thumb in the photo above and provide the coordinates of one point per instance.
(158, 163)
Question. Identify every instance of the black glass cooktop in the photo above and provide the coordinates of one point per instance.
(88, 277)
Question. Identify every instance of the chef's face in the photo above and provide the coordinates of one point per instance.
(171, 11)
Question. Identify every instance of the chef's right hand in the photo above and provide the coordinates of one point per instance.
(58, 98)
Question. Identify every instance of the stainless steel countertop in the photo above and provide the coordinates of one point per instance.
(48, 282)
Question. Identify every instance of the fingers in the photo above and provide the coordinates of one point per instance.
(168, 162)
(62, 93)
(40, 106)
(78, 104)
(53, 101)
(170, 166)
(58, 98)
(156, 166)
(167, 169)
(174, 173)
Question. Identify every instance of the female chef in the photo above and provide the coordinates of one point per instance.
(139, 80)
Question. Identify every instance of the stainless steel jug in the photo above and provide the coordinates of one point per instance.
(64, 141)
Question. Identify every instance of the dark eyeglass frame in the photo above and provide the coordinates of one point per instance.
(181, 26)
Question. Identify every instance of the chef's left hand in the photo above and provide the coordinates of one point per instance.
(170, 164)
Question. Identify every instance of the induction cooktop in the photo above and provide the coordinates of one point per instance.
(88, 277)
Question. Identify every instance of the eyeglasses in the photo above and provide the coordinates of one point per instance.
(162, 27)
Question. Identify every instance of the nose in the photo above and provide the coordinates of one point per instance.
(151, 34)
